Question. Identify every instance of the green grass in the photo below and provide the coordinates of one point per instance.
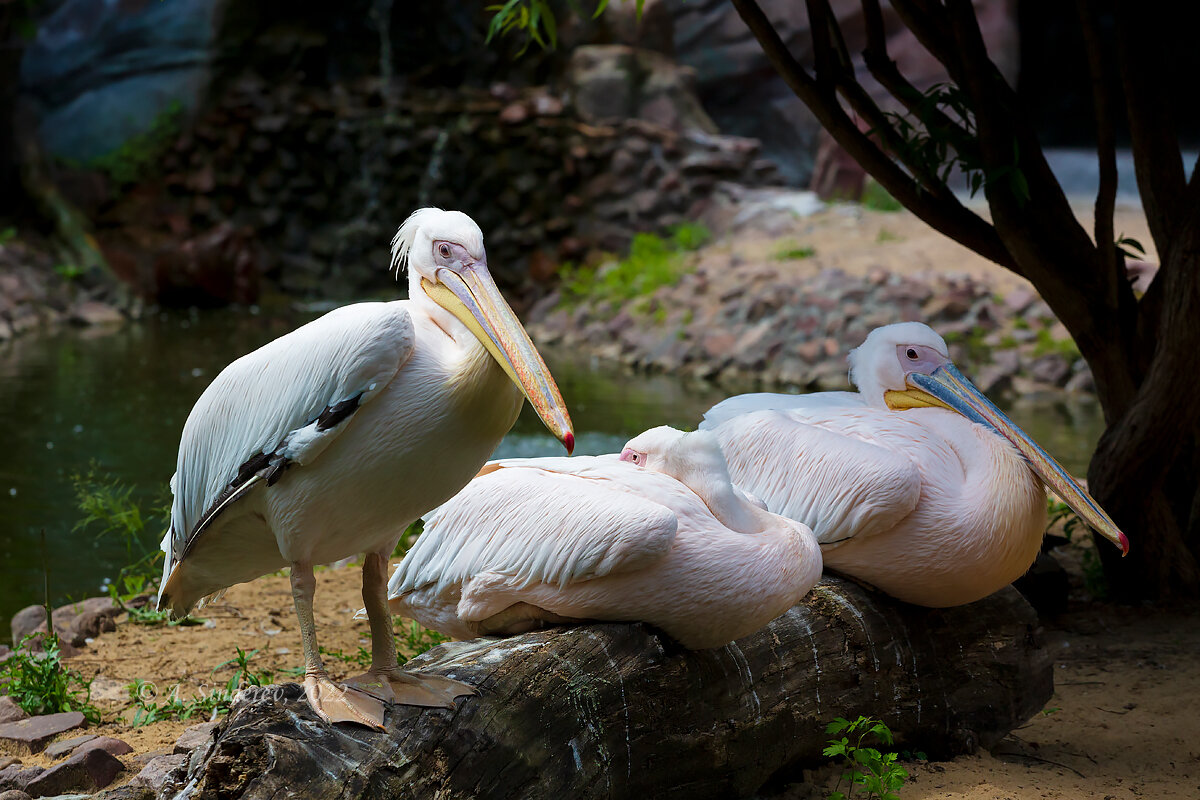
(653, 262)
(40, 683)
(148, 710)
(790, 251)
(417, 640)
(885, 235)
(877, 198)
(1046, 344)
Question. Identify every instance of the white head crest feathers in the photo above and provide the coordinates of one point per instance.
(435, 223)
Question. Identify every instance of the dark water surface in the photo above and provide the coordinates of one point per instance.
(120, 398)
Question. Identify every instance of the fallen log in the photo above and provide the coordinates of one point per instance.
(622, 711)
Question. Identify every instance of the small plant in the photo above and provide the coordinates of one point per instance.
(652, 262)
(1047, 344)
(885, 235)
(7, 235)
(110, 510)
(148, 711)
(408, 538)
(417, 640)
(690, 236)
(877, 198)
(362, 658)
(790, 251)
(872, 774)
(41, 684)
(1130, 248)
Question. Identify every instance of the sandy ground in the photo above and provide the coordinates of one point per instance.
(857, 241)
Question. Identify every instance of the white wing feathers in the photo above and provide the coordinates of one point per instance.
(586, 528)
(766, 401)
(269, 400)
(838, 482)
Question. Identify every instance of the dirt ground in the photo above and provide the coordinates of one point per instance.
(857, 240)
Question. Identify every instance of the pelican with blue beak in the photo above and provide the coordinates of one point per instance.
(327, 442)
(916, 484)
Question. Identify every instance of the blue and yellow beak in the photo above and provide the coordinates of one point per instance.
(946, 387)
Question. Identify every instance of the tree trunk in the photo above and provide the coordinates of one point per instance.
(621, 711)
(11, 192)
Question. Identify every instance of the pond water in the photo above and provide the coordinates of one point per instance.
(118, 400)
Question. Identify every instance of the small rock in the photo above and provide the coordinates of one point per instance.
(27, 621)
(8, 761)
(87, 770)
(16, 777)
(90, 312)
(10, 711)
(156, 770)
(195, 736)
(1051, 368)
(109, 744)
(14, 794)
(29, 736)
(108, 690)
(64, 747)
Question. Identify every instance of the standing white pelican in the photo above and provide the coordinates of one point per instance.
(657, 534)
(917, 484)
(327, 442)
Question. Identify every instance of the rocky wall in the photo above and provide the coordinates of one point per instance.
(768, 331)
(300, 189)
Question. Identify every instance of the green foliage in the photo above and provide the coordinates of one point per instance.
(690, 236)
(790, 251)
(41, 684)
(7, 235)
(871, 774)
(877, 198)
(408, 538)
(1094, 580)
(1047, 344)
(1130, 247)
(110, 510)
(939, 135)
(361, 658)
(69, 272)
(139, 155)
(652, 262)
(885, 235)
(417, 640)
(217, 701)
(535, 19)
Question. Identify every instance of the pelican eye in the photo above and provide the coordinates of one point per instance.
(444, 249)
(911, 353)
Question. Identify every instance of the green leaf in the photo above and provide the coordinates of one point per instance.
(603, 4)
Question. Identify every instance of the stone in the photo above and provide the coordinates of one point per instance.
(1050, 368)
(14, 794)
(109, 744)
(194, 737)
(29, 736)
(26, 621)
(18, 777)
(154, 774)
(87, 770)
(10, 711)
(91, 312)
(66, 746)
(8, 761)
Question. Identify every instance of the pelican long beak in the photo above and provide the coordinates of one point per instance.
(473, 298)
(948, 388)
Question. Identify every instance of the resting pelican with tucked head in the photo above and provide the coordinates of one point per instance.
(657, 534)
(917, 484)
(327, 442)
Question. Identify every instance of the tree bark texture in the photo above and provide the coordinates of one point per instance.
(621, 711)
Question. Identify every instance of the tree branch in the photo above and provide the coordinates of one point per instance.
(1156, 158)
(948, 216)
(1106, 148)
